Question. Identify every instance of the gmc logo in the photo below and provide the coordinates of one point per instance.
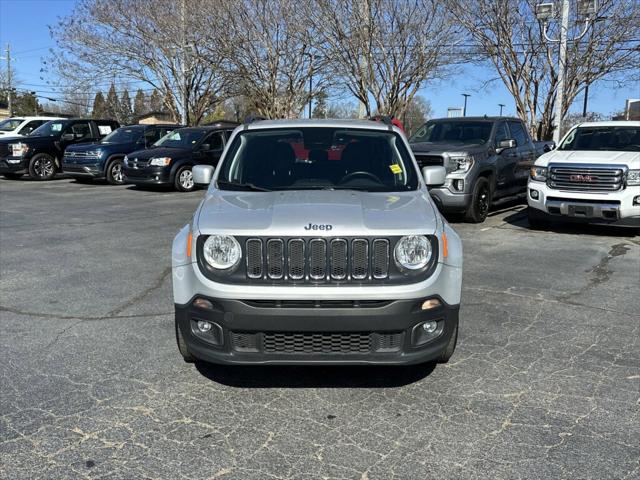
(582, 178)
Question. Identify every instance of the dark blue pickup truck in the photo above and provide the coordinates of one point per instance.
(104, 159)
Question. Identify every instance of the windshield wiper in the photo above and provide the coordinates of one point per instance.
(243, 186)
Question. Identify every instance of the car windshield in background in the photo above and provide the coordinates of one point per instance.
(453, 132)
(124, 135)
(10, 124)
(49, 129)
(617, 139)
(183, 138)
(318, 158)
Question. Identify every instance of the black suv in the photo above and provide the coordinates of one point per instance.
(104, 159)
(170, 161)
(40, 154)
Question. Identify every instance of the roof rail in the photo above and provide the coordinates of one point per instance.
(254, 118)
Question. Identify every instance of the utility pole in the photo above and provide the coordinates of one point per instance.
(9, 82)
(501, 105)
(185, 97)
(464, 110)
(586, 99)
(545, 12)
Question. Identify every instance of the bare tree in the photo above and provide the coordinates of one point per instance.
(384, 51)
(150, 41)
(269, 56)
(510, 35)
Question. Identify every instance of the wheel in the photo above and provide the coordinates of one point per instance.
(480, 201)
(12, 176)
(42, 167)
(536, 220)
(451, 347)
(184, 179)
(182, 346)
(114, 172)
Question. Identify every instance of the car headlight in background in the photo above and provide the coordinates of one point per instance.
(460, 164)
(222, 252)
(539, 174)
(633, 177)
(125, 160)
(160, 161)
(413, 252)
(19, 149)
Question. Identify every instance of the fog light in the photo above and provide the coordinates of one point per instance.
(458, 185)
(636, 200)
(431, 303)
(203, 303)
(203, 326)
(534, 194)
(430, 327)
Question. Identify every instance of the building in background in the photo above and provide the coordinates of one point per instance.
(153, 118)
(631, 110)
(454, 112)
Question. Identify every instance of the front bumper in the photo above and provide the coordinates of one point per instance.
(280, 332)
(74, 169)
(14, 165)
(448, 198)
(147, 176)
(610, 208)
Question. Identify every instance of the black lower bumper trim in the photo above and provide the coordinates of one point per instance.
(374, 334)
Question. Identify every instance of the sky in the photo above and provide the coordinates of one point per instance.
(24, 25)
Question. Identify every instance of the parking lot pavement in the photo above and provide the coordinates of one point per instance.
(544, 384)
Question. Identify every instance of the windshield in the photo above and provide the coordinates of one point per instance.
(318, 158)
(10, 124)
(183, 138)
(124, 135)
(453, 132)
(49, 129)
(618, 139)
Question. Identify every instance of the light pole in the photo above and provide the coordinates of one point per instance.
(545, 12)
(501, 105)
(464, 109)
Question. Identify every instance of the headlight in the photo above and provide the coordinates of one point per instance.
(222, 252)
(160, 161)
(413, 252)
(460, 164)
(539, 174)
(633, 177)
(19, 149)
(94, 153)
(126, 160)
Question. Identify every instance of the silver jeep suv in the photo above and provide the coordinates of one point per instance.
(317, 242)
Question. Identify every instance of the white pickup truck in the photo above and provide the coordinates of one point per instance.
(593, 176)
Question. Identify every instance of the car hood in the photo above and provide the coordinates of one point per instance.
(440, 148)
(339, 212)
(630, 159)
(160, 152)
(30, 140)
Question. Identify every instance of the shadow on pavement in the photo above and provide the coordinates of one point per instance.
(339, 376)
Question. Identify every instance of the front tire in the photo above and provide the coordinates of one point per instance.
(451, 347)
(42, 167)
(12, 176)
(184, 180)
(480, 201)
(182, 346)
(114, 172)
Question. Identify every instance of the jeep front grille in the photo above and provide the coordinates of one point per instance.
(586, 177)
(317, 259)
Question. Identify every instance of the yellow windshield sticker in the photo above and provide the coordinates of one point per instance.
(395, 168)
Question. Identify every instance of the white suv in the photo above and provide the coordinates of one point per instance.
(21, 126)
(317, 242)
(593, 176)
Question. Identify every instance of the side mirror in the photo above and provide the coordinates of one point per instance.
(506, 144)
(202, 174)
(434, 176)
(68, 137)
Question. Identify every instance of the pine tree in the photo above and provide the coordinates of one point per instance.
(99, 106)
(140, 104)
(155, 102)
(126, 115)
(112, 109)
